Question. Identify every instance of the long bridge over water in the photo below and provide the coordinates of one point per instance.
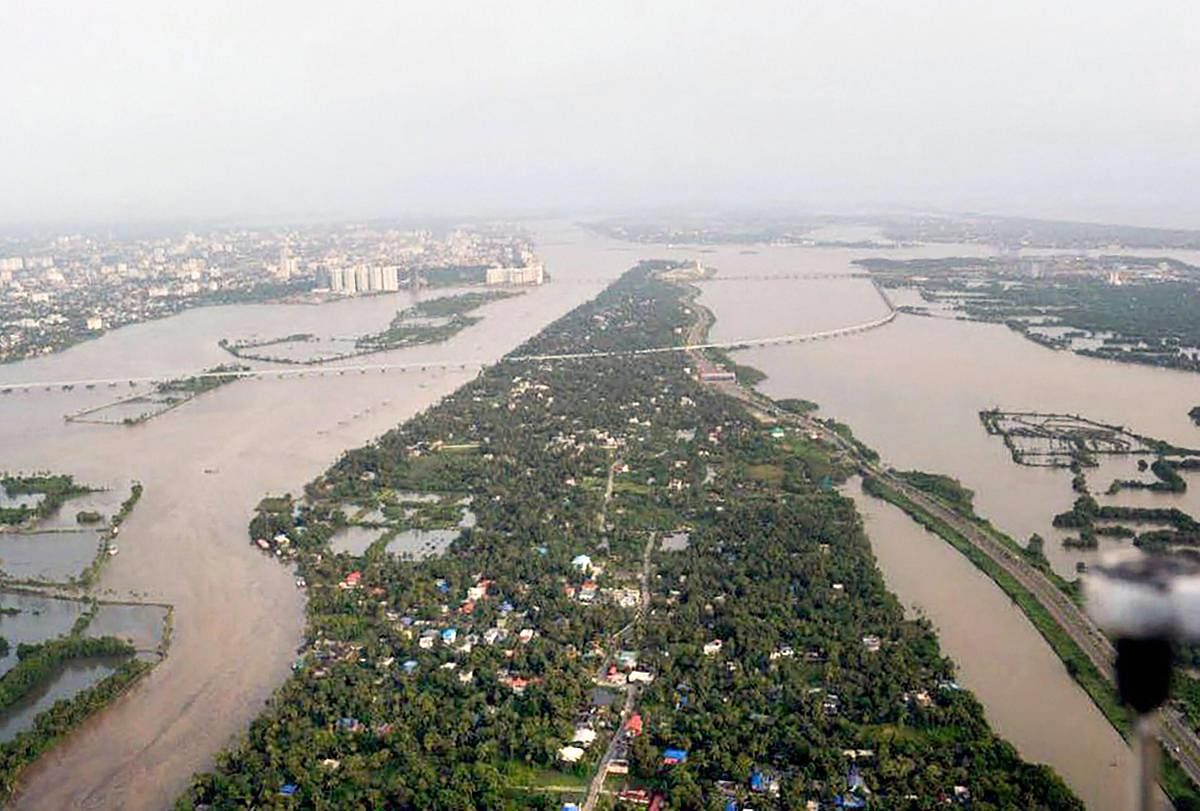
(320, 370)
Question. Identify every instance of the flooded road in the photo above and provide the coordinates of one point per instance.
(238, 616)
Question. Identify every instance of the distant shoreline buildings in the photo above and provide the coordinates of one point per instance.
(364, 279)
(533, 273)
(59, 289)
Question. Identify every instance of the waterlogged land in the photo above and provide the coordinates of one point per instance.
(237, 614)
(765, 655)
(429, 321)
(57, 532)
(1134, 309)
(913, 390)
(1001, 656)
(57, 667)
(162, 397)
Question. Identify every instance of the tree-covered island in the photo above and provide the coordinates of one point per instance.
(655, 583)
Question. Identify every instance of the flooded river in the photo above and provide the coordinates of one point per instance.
(1027, 695)
(912, 390)
(238, 616)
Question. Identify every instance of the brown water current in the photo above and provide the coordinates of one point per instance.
(238, 615)
(1027, 695)
(912, 390)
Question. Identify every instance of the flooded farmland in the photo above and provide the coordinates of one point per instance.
(238, 615)
(913, 390)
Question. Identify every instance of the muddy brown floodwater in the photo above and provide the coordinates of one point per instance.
(238, 616)
(912, 390)
(1000, 657)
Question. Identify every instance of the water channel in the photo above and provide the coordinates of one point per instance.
(911, 389)
(238, 615)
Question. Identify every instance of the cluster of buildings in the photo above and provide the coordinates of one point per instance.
(364, 279)
(533, 273)
(58, 290)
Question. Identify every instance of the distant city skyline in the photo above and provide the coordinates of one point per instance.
(137, 111)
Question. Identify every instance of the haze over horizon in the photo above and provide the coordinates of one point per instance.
(150, 111)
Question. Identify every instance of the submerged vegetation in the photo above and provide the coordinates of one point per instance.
(428, 321)
(38, 663)
(764, 650)
(431, 321)
(1133, 309)
(166, 395)
(1062, 440)
(64, 716)
(48, 493)
(1068, 440)
(207, 380)
(41, 663)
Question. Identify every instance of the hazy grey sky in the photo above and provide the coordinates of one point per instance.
(160, 109)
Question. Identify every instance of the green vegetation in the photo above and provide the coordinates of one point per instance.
(1028, 232)
(38, 663)
(235, 347)
(208, 380)
(1195, 415)
(88, 517)
(746, 376)
(415, 691)
(1083, 515)
(1169, 480)
(167, 395)
(1145, 319)
(1069, 440)
(429, 321)
(843, 430)
(1185, 689)
(412, 326)
(797, 406)
(944, 488)
(89, 575)
(135, 495)
(54, 489)
(52, 724)
(1075, 660)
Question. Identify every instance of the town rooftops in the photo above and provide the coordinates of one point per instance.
(570, 754)
(673, 756)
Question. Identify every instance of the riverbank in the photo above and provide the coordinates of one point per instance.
(1181, 763)
(238, 614)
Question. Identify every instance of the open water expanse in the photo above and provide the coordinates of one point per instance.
(911, 389)
(238, 616)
